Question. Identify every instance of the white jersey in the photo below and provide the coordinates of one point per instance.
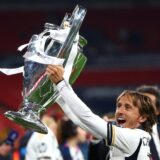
(76, 153)
(125, 143)
(43, 147)
(156, 139)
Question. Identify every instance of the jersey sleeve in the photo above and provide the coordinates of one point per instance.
(94, 123)
(73, 117)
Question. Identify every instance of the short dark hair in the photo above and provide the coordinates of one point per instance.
(153, 90)
(145, 106)
(66, 130)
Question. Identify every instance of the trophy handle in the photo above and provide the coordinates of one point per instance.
(75, 22)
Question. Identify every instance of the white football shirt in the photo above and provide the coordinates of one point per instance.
(125, 143)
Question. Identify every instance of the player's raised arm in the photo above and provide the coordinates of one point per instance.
(84, 114)
(134, 114)
(66, 109)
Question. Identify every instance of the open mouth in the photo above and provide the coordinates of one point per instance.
(121, 121)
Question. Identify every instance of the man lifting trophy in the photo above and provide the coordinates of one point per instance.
(59, 45)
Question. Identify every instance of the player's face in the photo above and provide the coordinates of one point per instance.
(127, 115)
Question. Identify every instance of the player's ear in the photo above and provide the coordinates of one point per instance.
(142, 119)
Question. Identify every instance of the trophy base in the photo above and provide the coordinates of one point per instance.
(27, 118)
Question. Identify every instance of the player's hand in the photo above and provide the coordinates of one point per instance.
(55, 73)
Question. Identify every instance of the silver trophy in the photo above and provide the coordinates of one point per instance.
(55, 45)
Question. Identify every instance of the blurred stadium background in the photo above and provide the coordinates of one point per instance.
(123, 48)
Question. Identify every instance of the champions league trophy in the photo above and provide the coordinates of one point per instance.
(60, 45)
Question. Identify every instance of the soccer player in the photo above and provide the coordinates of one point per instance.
(135, 116)
(44, 146)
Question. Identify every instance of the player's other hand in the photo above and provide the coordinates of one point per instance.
(55, 73)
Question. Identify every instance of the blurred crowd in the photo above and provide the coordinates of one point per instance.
(34, 145)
